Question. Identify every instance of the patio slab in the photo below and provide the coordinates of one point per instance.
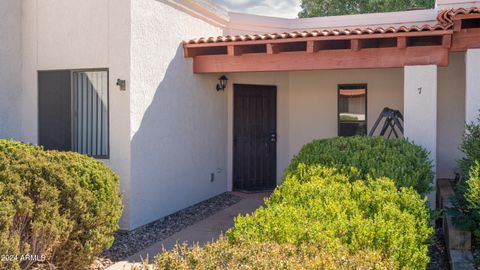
(202, 232)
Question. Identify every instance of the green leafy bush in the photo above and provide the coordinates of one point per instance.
(61, 205)
(320, 206)
(471, 149)
(264, 256)
(472, 198)
(362, 157)
(466, 202)
(346, 117)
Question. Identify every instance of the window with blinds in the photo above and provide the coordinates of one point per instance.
(90, 113)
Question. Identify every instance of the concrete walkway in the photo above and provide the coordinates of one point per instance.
(204, 231)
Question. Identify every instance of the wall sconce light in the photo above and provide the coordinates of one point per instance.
(222, 83)
(122, 84)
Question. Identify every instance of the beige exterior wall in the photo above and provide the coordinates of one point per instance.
(307, 107)
(10, 67)
(450, 114)
(71, 34)
(191, 123)
(178, 120)
(307, 104)
(313, 100)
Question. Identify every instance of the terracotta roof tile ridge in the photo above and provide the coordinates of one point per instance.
(319, 32)
(446, 16)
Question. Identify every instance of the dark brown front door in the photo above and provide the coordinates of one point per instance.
(254, 137)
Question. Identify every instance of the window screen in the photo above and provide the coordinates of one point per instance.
(352, 110)
(90, 113)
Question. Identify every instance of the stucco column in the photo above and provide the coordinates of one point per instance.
(472, 89)
(420, 111)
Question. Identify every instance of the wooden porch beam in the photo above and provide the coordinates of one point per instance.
(447, 41)
(355, 45)
(312, 46)
(465, 39)
(331, 59)
(401, 42)
(457, 25)
(272, 48)
(231, 50)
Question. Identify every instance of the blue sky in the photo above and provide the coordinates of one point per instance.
(275, 8)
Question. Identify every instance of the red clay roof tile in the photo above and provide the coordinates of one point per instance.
(316, 33)
(446, 16)
(445, 22)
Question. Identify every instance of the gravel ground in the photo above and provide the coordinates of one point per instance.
(129, 243)
(438, 253)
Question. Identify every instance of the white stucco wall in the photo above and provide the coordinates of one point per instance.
(72, 34)
(472, 94)
(10, 67)
(178, 119)
(171, 129)
(420, 112)
(450, 114)
(307, 104)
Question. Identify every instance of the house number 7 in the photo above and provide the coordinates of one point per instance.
(419, 90)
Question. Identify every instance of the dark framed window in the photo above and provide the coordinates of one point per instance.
(352, 109)
(74, 111)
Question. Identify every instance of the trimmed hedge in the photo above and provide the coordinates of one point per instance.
(471, 149)
(62, 205)
(324, 217)
(315, 205)
(472, 199)
(466, 202)
(363, 157)
(264, 256)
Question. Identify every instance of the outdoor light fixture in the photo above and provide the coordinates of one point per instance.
(223, 83)
(122, 84)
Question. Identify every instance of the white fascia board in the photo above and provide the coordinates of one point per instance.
(246, 23)
(412, 17)
(241, 23)
(206, 10)
(447, 4)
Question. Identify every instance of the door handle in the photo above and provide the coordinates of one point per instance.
(273, 137)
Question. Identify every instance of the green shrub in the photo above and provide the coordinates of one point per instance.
(265, 256)
(62, 205)
(319, 206)
(472, 198)
(346, 117)
(466, 202)
(362, 157)
(471, 149)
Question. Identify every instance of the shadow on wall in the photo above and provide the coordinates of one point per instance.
(179, 139)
